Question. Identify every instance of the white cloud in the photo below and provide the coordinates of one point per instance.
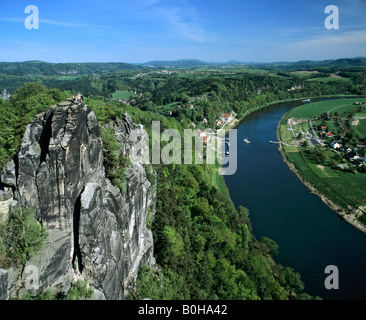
(182, 19)
(328, 45)
(352, 43)
(71, 24)
(57, 23)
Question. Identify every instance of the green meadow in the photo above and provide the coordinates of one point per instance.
(315, 109)
(123, 95)
(361, 128)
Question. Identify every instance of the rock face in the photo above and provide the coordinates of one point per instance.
(3, 284)
(95, 230)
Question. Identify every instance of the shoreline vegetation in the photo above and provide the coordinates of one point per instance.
(350, 215)
(236, 122)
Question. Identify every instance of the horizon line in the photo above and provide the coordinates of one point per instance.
(189, 59)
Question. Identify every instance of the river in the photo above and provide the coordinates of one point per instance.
(310, 235)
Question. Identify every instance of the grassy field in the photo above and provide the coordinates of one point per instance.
(123, 95)
(315, 109)
(217, 180)
(67, 78)
(329, 79)
(361, 128)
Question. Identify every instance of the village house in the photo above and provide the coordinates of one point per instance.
(203, 136)
(354, 157)
(219, 123)
(326, 116)
(335, 145)
(227, 117)
(363, 104)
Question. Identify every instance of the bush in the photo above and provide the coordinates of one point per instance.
(80, 290)
(270, 246)
(115, 162)
(46, 295)
(21, 237)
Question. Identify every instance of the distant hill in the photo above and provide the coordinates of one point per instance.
(308, 64)
(182, 63)
(305, 64)
(189, 63)
(38, 68)
(234, 62)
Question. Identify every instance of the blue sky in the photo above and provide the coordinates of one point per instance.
(209, 30)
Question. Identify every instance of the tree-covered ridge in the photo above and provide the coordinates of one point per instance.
(40, 68)
(36, 67)
(205, 248)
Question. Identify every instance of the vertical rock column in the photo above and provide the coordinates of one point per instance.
(3, 284)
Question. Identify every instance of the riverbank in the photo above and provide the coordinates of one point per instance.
(252, 110)
(351, 216)
(236, 122)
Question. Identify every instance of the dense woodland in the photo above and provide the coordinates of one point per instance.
(212, 90)
(204, 246)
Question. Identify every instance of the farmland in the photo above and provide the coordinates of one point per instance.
(333, 166)
(318, 108)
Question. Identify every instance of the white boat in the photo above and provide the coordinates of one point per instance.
(306, 100)
(246, 141)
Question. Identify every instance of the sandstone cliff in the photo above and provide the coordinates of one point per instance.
(95, 230)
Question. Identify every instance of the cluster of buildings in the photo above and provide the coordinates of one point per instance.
(351, 154)
(225, 118)
(126, 101)
(70, 72)
(362, 104)
(325, 132)
(157, 72)
(296, 87)
(188, 106)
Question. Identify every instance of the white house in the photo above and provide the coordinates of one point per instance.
(227, 117)
(335, 145)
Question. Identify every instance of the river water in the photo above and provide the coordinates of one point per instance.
(310, 235)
